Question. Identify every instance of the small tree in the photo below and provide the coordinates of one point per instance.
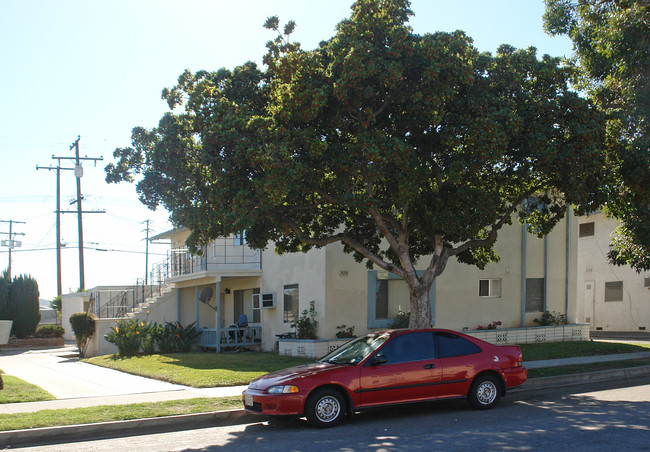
(83, 326)
(23, 295)
(306, 324)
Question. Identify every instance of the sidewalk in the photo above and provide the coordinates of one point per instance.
(76, 384)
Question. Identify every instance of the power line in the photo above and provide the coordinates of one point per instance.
(11, 243)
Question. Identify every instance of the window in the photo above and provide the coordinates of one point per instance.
(646, 282)
(489, 288)
(614, 291)
(534, 294)
(450, 345)
(290, 303)
(409, 347)
(392, 296)
(239, 238)
(587, 230)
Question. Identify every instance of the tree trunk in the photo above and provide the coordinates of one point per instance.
(420, 307)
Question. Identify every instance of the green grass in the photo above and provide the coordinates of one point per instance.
(578, 369)
(108, 413)
(201, 370)
(554, 350)
(17, 390)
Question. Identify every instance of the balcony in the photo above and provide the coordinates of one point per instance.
(223, 255)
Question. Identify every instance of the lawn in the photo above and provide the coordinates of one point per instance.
(201, 370)
(108, 413)
(17, 390)
(554, 350)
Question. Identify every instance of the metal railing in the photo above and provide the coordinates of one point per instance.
(233, 337)
(118, 303)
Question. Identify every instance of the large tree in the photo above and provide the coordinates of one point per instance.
(612, 50)
(405, 148)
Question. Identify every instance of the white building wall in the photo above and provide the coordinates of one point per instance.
(632, 313)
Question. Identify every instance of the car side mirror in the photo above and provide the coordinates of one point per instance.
(378, 360)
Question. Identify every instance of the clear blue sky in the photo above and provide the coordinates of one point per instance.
(95, 68)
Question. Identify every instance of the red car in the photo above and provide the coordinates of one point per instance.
(386, 368)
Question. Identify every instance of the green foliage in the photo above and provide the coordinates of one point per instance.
(132, 337)
(403, 147)
(50, 331)
(306, 325)
(19, 302)
(402, 320)
(126, 336)
(612, 58)
(56, 304)
(345, 331)
(83, 327)
(551, 319)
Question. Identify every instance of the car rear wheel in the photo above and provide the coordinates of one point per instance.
(325, 408)
(485, 392)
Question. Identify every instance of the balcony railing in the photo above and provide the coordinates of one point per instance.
(233, 337)
(220, 255)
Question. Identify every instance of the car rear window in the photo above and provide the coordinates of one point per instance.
(450, 344)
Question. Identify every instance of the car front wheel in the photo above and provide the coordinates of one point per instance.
(485, 392)
(325, 408)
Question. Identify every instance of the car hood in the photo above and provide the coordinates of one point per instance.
(291, 375)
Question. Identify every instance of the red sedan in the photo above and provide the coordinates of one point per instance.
(386, 368)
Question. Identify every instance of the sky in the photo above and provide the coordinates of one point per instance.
(94, 69)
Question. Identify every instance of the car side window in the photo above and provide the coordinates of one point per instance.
(450, 344)
(409, 347)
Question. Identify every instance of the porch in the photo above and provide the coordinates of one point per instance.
(230, 338)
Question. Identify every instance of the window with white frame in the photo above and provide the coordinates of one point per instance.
(489, 288)
(614, 291)
(291, 298)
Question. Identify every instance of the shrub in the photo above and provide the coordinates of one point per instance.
(173, 337)
(126, 336)
(306, 324)
(402, 320)
(551, 319)
(50, 331)
(83, 327)
(345, 331)
(19, 302)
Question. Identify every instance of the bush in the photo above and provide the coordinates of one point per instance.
(19, 302)
(50, 331)
(174, 337)
(551, 319)
(306, 324)
(83, 327)
(126, 336)
(402, 320)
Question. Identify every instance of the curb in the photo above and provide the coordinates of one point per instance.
(68, 433)
(103, 430)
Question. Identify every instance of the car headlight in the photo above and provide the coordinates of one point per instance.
(284, 389)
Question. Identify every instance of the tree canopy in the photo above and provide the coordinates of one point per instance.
(403, 147)
(612, 50)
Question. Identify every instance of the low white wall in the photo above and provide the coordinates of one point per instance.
(72, 303)
(5, 330)
(308, 348)
(97, 345)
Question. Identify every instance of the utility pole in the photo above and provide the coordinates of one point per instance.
(11, 243)
(78, 172)
(58, 168)
(146, 259)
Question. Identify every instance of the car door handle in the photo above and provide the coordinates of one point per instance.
(429, 366)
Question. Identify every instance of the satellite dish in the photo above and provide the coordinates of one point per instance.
(206, 295)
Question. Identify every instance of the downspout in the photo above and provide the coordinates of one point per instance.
(524, 227)
(545, 273)
(568, 262)
(216, 313)
(196, 305)
(178, 305)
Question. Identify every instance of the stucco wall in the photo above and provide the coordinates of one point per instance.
(594, 270)
(71, 304)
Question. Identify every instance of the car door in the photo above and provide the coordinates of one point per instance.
(458, 360)
(404, 369)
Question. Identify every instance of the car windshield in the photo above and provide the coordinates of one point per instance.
(355, 351)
